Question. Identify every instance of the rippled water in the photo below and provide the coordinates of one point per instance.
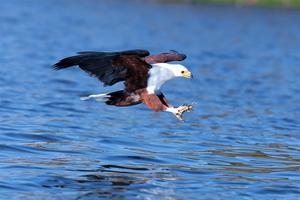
(241, 141)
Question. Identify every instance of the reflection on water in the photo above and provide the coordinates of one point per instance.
(241, 140)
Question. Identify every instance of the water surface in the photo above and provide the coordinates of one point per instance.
(241, 141)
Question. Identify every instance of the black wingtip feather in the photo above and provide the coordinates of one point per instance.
(55, 67)
(67, 62)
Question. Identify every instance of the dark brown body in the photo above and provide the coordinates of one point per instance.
(153, 101)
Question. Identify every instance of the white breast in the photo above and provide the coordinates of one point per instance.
(158, 75)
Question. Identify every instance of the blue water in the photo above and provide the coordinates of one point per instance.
(241, 141)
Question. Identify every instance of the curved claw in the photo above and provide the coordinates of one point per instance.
(179, 116)
(188, 107)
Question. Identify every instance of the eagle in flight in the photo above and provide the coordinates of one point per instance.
(143, 75)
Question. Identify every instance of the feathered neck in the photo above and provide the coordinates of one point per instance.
(158, 75)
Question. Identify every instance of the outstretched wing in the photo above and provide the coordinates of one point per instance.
(165, 57)
(112, 67)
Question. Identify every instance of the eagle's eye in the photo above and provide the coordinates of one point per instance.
(182, 72)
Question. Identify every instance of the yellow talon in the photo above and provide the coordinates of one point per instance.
(182, 109)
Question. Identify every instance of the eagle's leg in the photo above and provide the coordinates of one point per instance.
(177, 111)
(158, 102)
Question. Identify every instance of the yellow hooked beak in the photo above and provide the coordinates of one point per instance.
(186, 74)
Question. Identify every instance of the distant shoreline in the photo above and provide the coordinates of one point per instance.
(267, 3)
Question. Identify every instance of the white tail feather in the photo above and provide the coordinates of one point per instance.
(97, 97)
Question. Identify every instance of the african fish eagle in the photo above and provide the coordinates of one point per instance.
(143, 75)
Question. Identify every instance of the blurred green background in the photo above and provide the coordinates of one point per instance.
(273, 3)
